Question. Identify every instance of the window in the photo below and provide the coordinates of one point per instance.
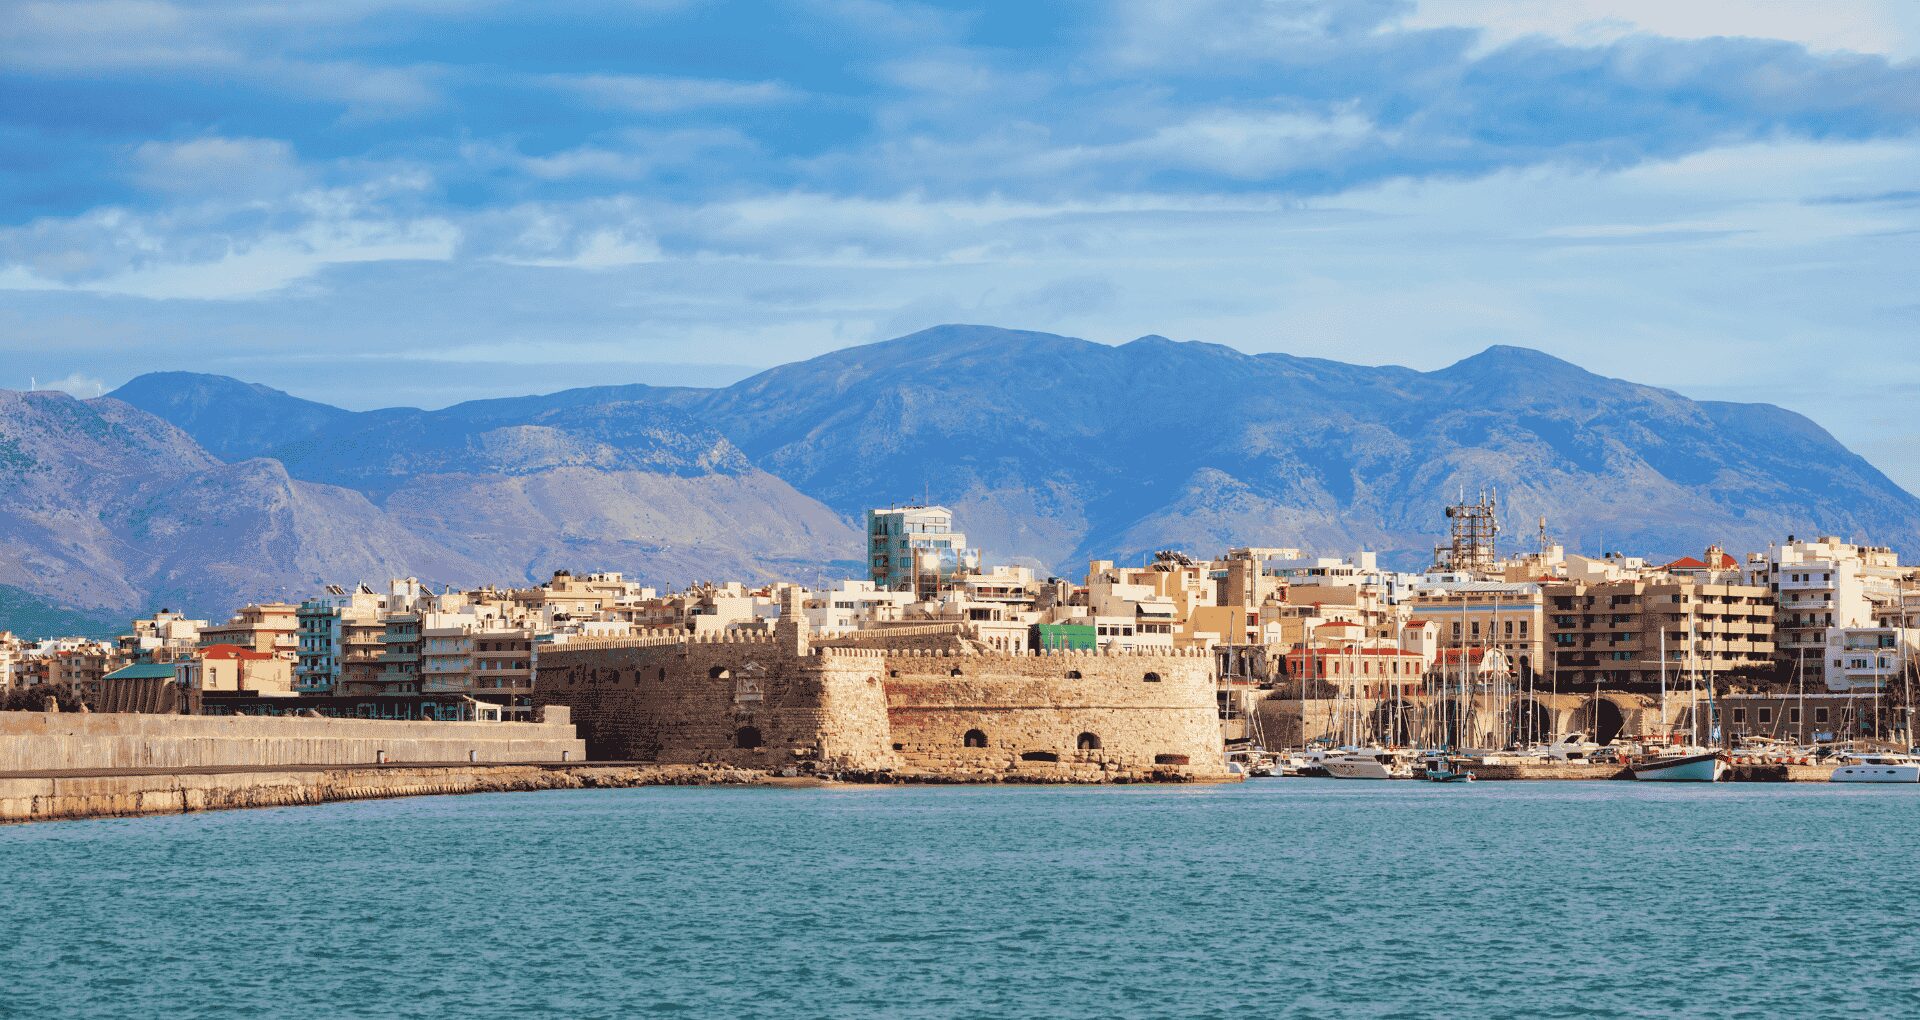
(1793, 715)
(1739, 715)
(1766, 715)
(975, 738)
(1820, 715)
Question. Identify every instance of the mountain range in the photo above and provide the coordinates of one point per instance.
(202, 492)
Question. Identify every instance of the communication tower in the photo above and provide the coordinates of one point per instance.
(1473, 528)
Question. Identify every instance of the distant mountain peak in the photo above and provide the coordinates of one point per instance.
(1511, 358)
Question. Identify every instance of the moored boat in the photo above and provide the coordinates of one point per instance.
(1368, 763)
(1706, 767)
(1877, 768)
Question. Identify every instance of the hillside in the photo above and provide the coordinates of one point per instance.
(1053, 450)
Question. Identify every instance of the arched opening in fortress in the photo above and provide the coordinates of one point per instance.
(1088, 742)
(747, 737)
(975, 738)
(718, 672)
(1533, 720)
(1152, 678)
(1073, 674)
(1393, 721)
(1447, 716)
(1039, 756)
(1604, 720)
(1172, 759)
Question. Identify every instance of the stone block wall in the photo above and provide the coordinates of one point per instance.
(875, 709)
(753, 703)
(67, 741)
(1114, 712)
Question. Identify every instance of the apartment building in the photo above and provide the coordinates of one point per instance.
(1510, 617)
(1612, 633)
(1821, 585)
(914, 548)
(269, 627)
(162, 637)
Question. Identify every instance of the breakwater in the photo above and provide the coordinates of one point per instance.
(73, 742)
(51, 796)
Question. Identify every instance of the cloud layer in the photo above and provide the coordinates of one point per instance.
(1717, 197)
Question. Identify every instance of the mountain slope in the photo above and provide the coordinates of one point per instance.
(234, 420)
(1054, 450)
(105, 507)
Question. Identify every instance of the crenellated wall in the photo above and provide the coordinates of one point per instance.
(678, 698)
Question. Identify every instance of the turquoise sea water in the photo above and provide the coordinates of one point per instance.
(1310, 898)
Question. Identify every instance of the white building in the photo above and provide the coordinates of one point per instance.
(1819, 586)
(915, 548)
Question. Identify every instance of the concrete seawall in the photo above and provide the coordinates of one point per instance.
(51, 797)
(66, 741)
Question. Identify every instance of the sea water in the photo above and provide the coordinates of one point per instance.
(1312, 898)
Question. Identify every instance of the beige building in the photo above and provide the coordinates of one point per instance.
(232, 668)
(1488, 614)
(1609, 634)
(270, 627)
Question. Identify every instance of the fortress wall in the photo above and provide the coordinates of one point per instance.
(1036, 705)
(71, 741)
(699, 701)
(876, 709)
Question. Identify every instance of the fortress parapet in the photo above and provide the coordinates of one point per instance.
(878, 703)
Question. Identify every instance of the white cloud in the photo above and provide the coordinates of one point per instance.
(1890, 28)
(663, 94)
(82, 386)
(230, 167)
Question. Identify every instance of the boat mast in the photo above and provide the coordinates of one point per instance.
(1900, 649)
(1663, 685)
(1693, 674)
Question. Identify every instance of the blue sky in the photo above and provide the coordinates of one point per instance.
(418, 202)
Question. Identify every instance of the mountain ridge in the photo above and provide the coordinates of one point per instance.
(1051, 449)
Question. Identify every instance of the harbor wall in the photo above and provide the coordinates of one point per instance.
(45, 798)
(78, 741)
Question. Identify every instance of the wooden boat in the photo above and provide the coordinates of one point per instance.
(1709, 767)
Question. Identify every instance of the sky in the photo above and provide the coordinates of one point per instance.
(379, 202)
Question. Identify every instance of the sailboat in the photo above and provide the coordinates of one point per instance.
(1692, 764)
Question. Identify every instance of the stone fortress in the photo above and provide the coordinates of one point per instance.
(928, 703)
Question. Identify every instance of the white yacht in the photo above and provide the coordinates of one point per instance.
(1572, 747)
(1877, 768)
(1367, 763)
